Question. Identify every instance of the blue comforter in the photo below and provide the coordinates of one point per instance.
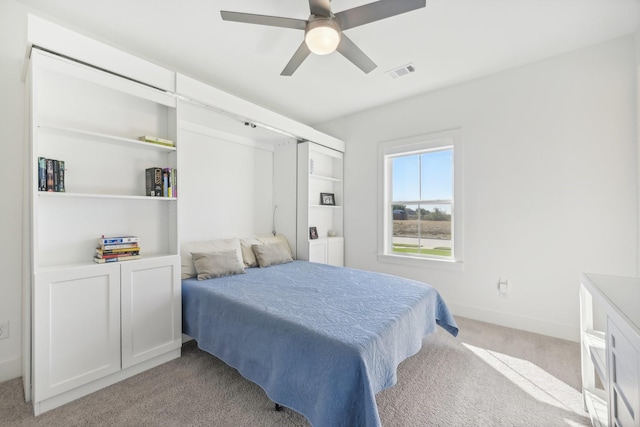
(321, 340)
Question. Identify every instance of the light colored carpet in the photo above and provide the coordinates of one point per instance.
(488, 376)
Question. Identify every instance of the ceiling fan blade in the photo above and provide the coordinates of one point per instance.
(376, 11)
(273, 21)
(349, 50)
(297, 59)
(320, 7)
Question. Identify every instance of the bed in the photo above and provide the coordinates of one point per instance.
(318, 339)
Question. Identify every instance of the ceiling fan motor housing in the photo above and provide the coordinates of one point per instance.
(322, 35)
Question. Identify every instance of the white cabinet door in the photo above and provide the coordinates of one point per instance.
(76, 328)
(318, 251)
(335, 251)
(151, 308)
(624, 377)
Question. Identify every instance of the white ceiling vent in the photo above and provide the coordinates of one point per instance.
(405, 70)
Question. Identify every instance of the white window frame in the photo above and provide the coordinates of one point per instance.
(386, 152)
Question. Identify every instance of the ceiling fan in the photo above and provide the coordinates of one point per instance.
(324, 29)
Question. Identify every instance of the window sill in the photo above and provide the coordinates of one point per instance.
(440, 264)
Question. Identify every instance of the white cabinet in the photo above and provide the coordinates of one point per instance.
(76, 328)
(624, 381)
(90, 325)
(320, 203)
(151, 309)
(610, 335)
(329, 250)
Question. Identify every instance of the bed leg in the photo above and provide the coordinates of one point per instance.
(279, 407)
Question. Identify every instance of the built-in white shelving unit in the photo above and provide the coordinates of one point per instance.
(90, 325)
(610, 348)
(320, 171)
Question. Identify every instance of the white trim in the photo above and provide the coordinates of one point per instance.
(414, 261)
(451, 137)
(10, 369)
(81, 391)
(194, 90)
(536, 326)
(75, 45)
(187, 126)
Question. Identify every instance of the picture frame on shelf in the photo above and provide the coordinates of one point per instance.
(327, 199)
(313, 233)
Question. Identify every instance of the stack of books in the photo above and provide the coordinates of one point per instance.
(50, 175)
(117, 248)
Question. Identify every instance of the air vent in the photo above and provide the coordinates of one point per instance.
(405, 70)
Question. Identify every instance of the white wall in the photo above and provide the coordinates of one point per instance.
(12, 104)
(550, 183)
(225, 182)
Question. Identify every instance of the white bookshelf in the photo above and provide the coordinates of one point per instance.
(91, 120)
(320, 170)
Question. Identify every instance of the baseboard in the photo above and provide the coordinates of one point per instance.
(10, 369)
(537, 326)
(83, 390)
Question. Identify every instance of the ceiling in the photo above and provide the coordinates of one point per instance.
(448, 42)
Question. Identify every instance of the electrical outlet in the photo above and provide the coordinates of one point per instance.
(4, 329)
(503, 287)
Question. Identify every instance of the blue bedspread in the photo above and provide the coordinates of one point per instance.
(321, 340)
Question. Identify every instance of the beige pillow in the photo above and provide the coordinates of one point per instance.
(216, 264)
(269, 238)
(188, 268)
(248, 256)
(269, 254)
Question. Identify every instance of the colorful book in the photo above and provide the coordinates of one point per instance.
(156, 140)
(131, 245)
(61, 174)
(120, 255)
(117, 240)
(50, 186)
(130, 251)
(174, 177)
(56, 175)
(42, 174)
(169, 176)
(116, 259)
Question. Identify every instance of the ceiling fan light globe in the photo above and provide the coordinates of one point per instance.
(323, 37)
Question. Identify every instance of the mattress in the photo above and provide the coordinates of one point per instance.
(319, 339)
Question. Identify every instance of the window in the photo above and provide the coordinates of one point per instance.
(421, 209)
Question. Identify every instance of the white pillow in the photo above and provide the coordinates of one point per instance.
(269, 254)
(247, 244)
(270, 238)
(217, 264)
(188, 269)
(248, 256)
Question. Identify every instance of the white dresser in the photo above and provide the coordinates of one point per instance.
(610, 335)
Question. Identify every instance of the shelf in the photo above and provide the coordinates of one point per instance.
(66, 267)
(324, 239)
(112, 139)
(325, 178)
(325, 206)
(100, 196)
